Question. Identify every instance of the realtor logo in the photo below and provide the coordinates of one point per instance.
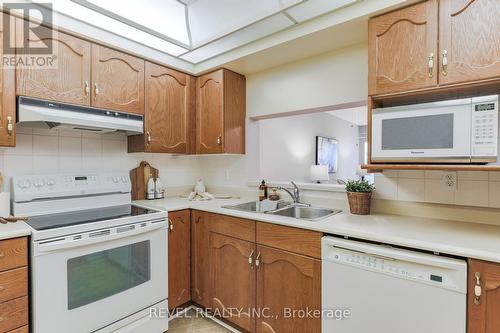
(28, 43)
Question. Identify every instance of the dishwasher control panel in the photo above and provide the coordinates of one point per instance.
(400, 263)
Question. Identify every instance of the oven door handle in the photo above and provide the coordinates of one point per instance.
(99, 237)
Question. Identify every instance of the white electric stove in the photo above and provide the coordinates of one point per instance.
(99, 263)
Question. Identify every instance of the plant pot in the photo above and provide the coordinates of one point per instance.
(359, 202)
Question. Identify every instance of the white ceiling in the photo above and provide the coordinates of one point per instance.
(197, 30)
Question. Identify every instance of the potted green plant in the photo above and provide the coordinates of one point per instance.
(359, 194)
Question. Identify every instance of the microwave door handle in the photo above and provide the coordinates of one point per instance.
(42, 248)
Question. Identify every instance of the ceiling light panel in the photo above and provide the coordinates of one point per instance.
(165, 17)
(314, 8)
(249, 34)
(209, 19)
(89, 16)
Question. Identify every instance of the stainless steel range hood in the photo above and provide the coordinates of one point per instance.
(52, 115)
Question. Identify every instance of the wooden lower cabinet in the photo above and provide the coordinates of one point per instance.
(484, 313)
(288, 285)
(179, 253)
(14, 314)
(200, 266)
(233, 280)
(24, 329)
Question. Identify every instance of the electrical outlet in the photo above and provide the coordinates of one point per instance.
(450, 180)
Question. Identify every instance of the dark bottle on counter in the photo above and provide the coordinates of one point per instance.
(262, 191)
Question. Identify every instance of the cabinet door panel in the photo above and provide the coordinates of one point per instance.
(179, 266)
(287, 281)
(69, 81)
(233, 279)
(200, 267)
(470, 34)
(168, 110)
(118, 80)
(210, 113)
(400, 44)
(7, 95)
(484, 316)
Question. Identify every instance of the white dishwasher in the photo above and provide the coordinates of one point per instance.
(381, 289)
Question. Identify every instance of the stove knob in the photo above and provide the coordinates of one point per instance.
(117, 114)
(51, 182)
(124, 179)
(39, 183)
(116, 179)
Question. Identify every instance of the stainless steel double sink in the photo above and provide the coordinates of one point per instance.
(281, 208)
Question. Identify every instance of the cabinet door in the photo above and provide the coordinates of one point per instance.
(287, 282)
(118, 80)
(7, 96)
(179, 266)
(200, 279)
(168, 110)
(483, 313)
(209, 113)
(469, 35)
(68, 81)
(233, 278)
(402, 46)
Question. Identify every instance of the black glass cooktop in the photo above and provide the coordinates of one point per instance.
(51, 221)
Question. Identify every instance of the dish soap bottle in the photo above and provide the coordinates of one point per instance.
(262, 191)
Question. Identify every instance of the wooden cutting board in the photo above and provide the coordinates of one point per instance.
(139, 178)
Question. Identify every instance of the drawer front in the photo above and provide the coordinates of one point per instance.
(24, 329)
(296, 240)
(13, 314)
(13, 253)
(233, 226)
(13, 284)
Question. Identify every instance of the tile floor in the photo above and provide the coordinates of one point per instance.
(192, 323)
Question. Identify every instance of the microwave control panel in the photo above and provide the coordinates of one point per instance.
(485, 128)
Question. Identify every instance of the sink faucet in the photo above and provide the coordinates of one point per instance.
(295, 194)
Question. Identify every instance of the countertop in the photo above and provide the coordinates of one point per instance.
(13, 230)
(472, 240)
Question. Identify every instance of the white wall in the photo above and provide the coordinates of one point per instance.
(328, 79)
(42, 152)
(288, 146)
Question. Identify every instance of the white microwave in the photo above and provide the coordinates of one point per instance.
(453, 131)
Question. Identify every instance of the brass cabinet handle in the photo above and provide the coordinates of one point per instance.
(445, 62)
(10, 126)
(148, 137)
(430, 65)
(477, 289)
(250, 259)
(170, 225)
(96, 90)
(86, 88)
(257, 261)
(219, 140)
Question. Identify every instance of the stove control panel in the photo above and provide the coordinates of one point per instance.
(32, 187)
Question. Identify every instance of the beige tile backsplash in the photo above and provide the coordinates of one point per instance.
(472, 188)
(41, 151)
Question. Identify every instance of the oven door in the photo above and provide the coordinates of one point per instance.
(84, 282)
(426, 133)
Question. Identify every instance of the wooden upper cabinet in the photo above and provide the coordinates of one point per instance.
(403, 49)
(68, 81)
(7, 96)
(179, 265)
(117, 80)
(301, 277)
(220, 113)
(469, 39)
(483, 313)
(233, 279)
(169, 112)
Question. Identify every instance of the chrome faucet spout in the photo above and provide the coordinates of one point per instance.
(295, 194)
